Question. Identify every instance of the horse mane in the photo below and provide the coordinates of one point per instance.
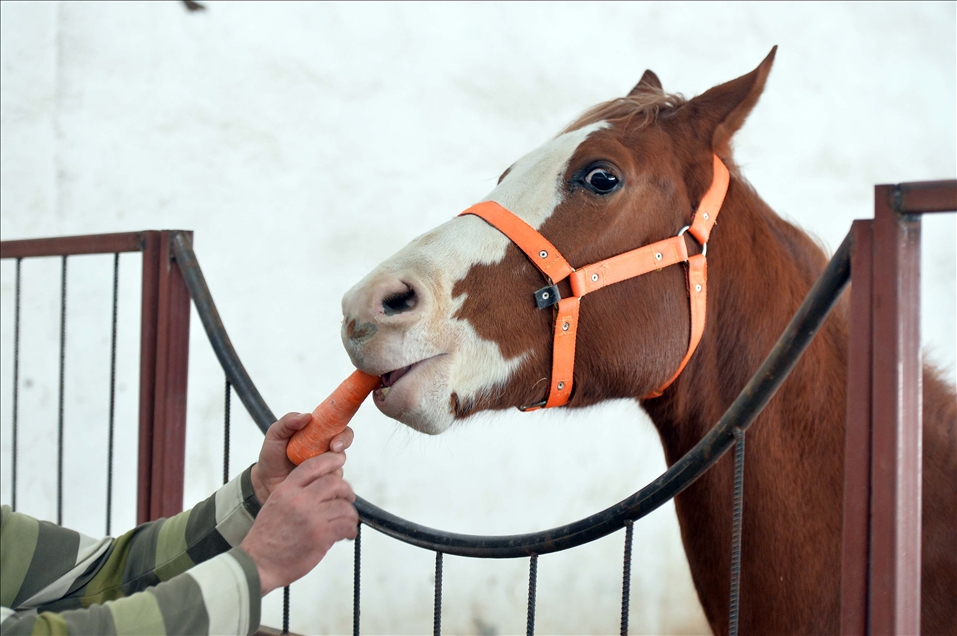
(644, 104)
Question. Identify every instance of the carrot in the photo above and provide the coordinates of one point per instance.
(331, 417)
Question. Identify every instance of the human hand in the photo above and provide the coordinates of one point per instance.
(305, 515)
(273, 466)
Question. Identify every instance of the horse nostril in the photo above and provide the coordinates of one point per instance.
(400, 302)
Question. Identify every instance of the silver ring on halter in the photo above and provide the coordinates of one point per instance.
(537, 405)
(704, 246)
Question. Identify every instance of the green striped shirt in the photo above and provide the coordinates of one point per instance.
(182, 575)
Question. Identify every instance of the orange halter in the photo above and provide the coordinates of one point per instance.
(589, 278)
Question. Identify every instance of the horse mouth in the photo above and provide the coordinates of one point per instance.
(390, 378)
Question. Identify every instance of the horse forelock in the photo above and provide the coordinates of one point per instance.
(637, 110)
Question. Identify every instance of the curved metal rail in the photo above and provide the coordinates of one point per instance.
(746, 407)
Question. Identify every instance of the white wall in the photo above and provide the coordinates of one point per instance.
(305, 142)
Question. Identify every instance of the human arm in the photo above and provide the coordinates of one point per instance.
(156, 556)
(218, 596)
(58, 580)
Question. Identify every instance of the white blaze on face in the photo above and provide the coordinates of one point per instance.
(433, 263)
(532, 189)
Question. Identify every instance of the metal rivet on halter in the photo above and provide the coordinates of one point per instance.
(561, 385)
(594, 278)
(565, 327)
(706, 217)
(543, 254)
(697, 287)
(657, 256)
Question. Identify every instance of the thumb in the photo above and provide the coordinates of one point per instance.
(288, 424)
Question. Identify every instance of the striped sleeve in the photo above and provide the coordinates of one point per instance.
(219, 596)
(185, 574)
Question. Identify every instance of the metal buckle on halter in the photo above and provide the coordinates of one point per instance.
(547, 296)
(704, 246)
(532, 407)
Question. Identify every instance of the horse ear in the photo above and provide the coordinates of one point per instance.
(648, 82)
(721, 111)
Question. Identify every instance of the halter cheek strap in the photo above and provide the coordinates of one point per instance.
(589, 278)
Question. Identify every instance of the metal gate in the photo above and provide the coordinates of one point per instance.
(881, 554)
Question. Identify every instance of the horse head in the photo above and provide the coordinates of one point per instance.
(451, 322)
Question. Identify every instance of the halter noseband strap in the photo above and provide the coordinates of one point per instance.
(589, 278)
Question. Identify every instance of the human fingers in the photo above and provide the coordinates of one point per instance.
(341, 520)
(329, 487)
(337, 473)
(287, 425)
(316, 467)
(342, 441)
(344, 527)
(273, 465)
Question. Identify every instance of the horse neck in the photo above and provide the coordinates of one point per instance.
(760, 268)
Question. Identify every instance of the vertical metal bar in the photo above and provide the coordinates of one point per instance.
(736, 519)
(356, 563)
(285, 610)
(437, 607)
(894, 605)
(857, 445)
(626, 577)
(16, 387)
(148, 316)
(226, 410)
(59, 443)
(532, 592)
(172, 364)
(109, 453)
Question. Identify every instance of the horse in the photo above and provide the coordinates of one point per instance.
(455, 323)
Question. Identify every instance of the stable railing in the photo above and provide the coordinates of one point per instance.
(881, 567)
(164, 353)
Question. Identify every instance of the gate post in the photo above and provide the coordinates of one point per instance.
(896, 424)
(881, 575)
(164, 361)
(857, 447)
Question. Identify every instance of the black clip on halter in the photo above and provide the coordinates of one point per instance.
(547, 296)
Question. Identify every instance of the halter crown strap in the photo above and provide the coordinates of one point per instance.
(707, 213)
(589, 278)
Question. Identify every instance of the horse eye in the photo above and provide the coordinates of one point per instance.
(601, 180)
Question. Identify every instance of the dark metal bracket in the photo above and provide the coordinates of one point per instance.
(547, 296)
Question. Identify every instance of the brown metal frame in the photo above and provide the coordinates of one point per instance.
(882, 473)
(164, 357)
(164, 365)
